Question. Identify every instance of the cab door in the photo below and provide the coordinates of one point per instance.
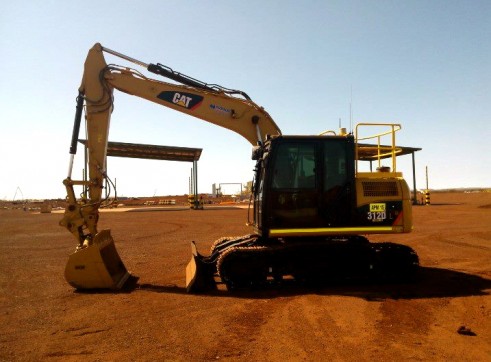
(337, 186)
(294, 185)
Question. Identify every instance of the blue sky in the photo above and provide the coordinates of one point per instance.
(424, 64)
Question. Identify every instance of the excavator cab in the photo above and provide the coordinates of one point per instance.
(311, 186)
(306, 182)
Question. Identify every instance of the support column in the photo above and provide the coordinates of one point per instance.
(415, 200)
(196, 197)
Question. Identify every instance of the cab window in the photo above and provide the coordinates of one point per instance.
(294, 167)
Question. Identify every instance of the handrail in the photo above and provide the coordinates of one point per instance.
(382, 151)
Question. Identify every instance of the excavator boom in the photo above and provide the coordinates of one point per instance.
(211, 103)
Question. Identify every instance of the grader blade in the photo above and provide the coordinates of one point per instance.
(97, 266)
(199, 273)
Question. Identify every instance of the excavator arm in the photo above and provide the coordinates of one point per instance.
(221, 106)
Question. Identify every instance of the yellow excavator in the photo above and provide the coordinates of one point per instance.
(311, 203)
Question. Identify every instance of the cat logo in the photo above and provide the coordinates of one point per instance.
(185, 100)
(181, 100)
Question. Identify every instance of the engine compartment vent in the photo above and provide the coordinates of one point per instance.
(380, 188)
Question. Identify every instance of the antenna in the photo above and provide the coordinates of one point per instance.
(351, 111)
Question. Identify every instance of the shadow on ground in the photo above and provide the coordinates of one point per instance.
(431, 283)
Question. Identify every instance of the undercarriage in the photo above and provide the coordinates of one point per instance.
(250, 261)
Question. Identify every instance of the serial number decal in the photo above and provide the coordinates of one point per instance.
(377, 212)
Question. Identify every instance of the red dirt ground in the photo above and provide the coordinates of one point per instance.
(43, 318)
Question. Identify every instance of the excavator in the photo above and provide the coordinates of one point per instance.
(312, 205)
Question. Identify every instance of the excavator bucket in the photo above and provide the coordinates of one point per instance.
(199, 273)
(97, 266)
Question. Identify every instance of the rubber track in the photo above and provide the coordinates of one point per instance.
(245, 266)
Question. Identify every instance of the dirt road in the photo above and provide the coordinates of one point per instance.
(42, 318)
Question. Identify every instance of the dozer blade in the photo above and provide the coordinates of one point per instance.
(97, 266)
(199, 274)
